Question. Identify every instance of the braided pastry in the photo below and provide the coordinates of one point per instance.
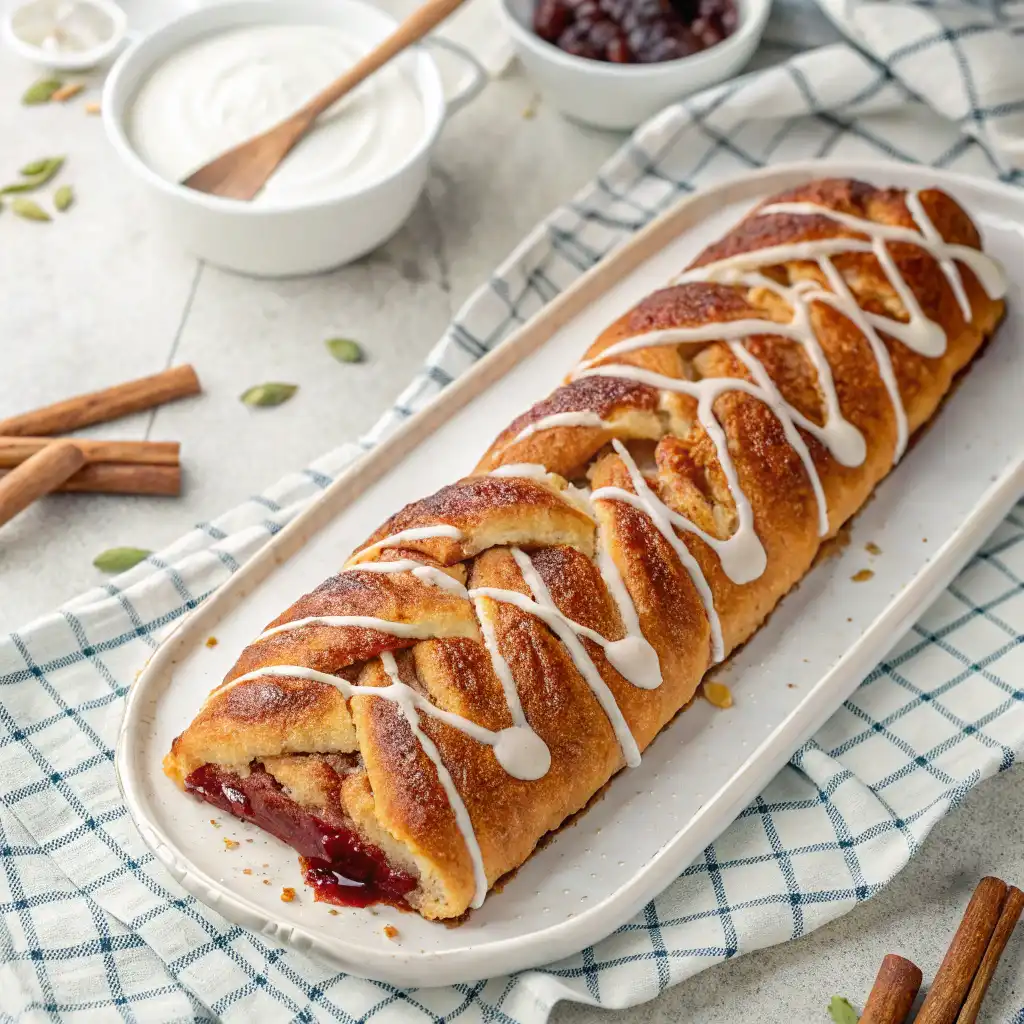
(494, 653)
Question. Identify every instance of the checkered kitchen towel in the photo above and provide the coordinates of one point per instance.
(93, 928)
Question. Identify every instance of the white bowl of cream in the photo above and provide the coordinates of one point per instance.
(224, 73)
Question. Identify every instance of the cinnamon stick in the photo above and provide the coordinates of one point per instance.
(117, 478)
(964, 955)
(39, 475)
(15, 450)
(893, 993)
(108, 404)
(1003, 930)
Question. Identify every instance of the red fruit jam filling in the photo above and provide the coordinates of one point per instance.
(339, 866)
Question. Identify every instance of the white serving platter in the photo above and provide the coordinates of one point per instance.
(952, 489)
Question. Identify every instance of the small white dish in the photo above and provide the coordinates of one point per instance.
(92, 30)
(298, 237)
(621, 96)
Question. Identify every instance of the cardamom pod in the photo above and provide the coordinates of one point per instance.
(841, 1012)
(270, 394)
(36, 174)
(119, 559)
(345, 350)
(41, 91)
(63, 198)
(35, 167)
(29, 209)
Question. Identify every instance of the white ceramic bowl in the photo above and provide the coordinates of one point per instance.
(621, 96)
(25, 26)
(282, 240)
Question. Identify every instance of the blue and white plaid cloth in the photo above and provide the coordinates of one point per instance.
(94, 929)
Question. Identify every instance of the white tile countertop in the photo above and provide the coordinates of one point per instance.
(97, 297)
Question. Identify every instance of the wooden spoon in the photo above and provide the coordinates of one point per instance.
(241, 172)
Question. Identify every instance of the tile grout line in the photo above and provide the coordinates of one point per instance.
(176, 341)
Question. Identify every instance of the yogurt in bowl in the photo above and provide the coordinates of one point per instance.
(218, 92)
(223, 73)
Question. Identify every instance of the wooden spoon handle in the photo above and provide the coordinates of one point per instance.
(39, 475)
(410, 31)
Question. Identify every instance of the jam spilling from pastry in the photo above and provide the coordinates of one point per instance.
(339, 866)
(634, 31)
(330, 885)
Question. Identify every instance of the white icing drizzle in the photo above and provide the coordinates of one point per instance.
(842, 438)
(416, 533)
(566, 632)
(649, 677)
(632, 656)
(987, 270)
(663, 518)
(429, 574)
(436, 578)
(742, 556)
(728, 330)
(519, 751)
(455, 801)
(501, 666)
(585, 418)
(410, 630)
(842, 300)
(927, 228)
(784, 413)
(530, 470)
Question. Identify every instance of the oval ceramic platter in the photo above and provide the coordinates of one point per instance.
(655, 819)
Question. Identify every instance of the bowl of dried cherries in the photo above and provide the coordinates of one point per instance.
(614, 63)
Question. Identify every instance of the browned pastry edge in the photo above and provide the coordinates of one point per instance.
(393, 797)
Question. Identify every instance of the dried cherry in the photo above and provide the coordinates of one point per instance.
(634, 31)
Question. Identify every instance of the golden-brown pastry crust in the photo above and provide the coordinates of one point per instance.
(390, 790)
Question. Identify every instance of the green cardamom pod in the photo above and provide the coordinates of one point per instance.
(345, 350)
(30, 170)
(120, 559)
(29, 209)
(268, 394)
(41, 91)
(63, 198)
(45, 170)
(841, 1012)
